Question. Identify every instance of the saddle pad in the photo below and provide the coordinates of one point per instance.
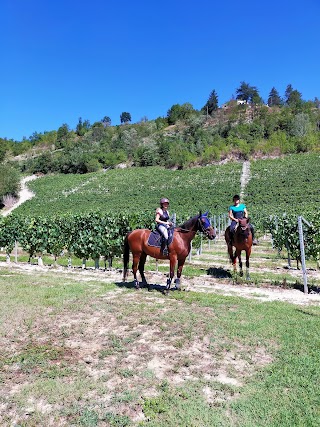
(155, 238)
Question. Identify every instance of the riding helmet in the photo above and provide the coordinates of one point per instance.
(163, 200)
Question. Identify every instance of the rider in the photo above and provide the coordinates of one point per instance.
(163, 222)
(237, 211)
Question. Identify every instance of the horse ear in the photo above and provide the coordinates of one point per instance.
(200, 214)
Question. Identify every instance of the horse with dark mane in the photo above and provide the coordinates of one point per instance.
(242, 241)
(136, 241)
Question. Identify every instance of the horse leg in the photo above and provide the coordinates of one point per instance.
(173, 261)
(240, 264)
(142, 262)
(248, 252)
(179, 272)
(135, 262)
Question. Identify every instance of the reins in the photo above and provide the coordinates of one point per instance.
(204, 230)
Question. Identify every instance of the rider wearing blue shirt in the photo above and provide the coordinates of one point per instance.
(237, 211)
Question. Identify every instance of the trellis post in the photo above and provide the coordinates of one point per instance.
(303, 258)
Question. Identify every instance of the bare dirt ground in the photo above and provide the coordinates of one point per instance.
(202, 283)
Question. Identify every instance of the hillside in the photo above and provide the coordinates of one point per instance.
(288, 184)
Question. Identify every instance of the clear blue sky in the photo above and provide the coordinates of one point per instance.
(65, 59)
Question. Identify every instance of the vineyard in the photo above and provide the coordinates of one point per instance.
(96, 236)
(88, 215)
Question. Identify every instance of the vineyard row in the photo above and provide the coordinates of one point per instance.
(98, 235)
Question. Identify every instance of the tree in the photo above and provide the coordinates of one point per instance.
(212, 103)
(274, 98)
(246, 92)
(82, 127)
(4, 147)
(9, 181)
(179, 112)
(287, 93)
(256, 98)
(316, 102)
(125, 117)
(62, 136)
(35, 137)
(106, 121)
(295, 99)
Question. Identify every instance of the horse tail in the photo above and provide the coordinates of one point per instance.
(126, 254)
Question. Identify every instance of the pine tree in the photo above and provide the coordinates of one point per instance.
(274, 98)
(212, 103)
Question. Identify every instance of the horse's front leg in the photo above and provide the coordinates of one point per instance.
(173, 262)
(240, 263)
(248, 252)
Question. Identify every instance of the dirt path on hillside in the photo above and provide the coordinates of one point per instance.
(245, 177)
(24, 194)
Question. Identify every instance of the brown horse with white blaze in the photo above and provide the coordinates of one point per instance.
(136, 241)
(242, 241)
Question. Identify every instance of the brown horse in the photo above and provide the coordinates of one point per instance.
(242, 241)
(136, 241)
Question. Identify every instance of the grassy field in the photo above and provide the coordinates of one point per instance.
(85, 350)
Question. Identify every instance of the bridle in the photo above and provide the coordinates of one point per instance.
(203, 228)
(243, 228)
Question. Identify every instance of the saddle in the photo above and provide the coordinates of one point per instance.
(155, 238)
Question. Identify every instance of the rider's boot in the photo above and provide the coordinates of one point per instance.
(254, 240)
(164, 246)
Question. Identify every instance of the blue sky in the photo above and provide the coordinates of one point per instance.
(65, 59)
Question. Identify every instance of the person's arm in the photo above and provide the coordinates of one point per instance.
(245, 213)
(231, 216)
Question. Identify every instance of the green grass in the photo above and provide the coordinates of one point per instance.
(270, 350)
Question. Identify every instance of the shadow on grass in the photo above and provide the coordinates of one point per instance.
(312, 288)
(150, 286)
(218, 273)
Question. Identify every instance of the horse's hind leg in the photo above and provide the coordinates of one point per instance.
(179, 272)
(173, 262)
(142, 262)
(135, 262)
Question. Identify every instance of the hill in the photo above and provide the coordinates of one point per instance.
(287, 184)
(184, 138)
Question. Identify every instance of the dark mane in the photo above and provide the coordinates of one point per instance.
(187, 225)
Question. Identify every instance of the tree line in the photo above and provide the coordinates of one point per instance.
(244, 126)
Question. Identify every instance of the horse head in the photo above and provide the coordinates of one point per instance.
(243, 227)
(205, 226)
